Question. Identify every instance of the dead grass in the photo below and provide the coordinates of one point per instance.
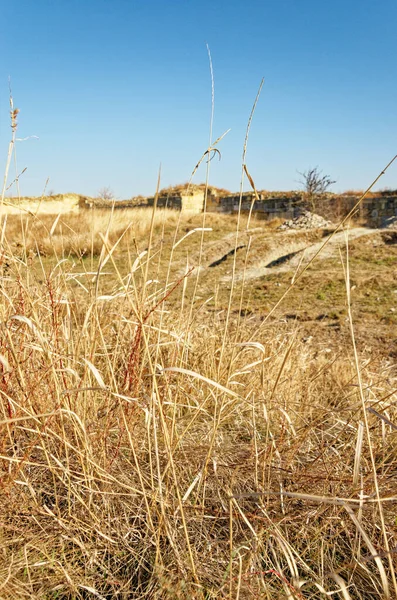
(82, 234)
(147, 452)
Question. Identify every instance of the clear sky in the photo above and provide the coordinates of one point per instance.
(113, 88)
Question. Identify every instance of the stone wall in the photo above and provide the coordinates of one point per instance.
(49, 205)
(374, 210)
(64, 203)
(185, 202)
(267, 206)
(174, 202)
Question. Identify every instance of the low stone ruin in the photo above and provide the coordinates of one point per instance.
(306, 220)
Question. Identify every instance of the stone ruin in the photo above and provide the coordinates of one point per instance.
(375, 210)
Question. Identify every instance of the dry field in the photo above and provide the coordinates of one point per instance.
(195, 410)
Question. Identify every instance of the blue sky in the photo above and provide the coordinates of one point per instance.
(113, 88)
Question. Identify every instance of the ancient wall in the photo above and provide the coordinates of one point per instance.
(174, 202)
(373, 210)
(189, 202)
(267, 206)
(64, 203)
(194, 203)
(376, 209)
(50, 205)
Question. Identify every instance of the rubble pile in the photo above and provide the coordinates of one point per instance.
(389, 223)
(306, 220)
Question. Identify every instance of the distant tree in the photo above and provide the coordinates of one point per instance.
(315, 186)
(106, 193)
(51, 192)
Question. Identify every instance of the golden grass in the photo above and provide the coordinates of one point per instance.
(147, 452)
(80, 234)
(155, 445)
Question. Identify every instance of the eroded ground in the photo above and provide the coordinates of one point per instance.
(267, 261)
(259, 263)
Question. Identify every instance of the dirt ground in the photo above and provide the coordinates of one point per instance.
(267, 260)
(258, 265)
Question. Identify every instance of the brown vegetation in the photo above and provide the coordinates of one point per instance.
(162, 437)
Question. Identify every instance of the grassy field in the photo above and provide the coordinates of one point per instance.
(194, 409)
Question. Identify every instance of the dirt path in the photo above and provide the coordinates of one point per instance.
(288, 256)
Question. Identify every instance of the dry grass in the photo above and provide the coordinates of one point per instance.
(152, 448)
(80, 234)
(155, 444)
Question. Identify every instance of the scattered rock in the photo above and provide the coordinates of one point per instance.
(389, 223)
(306, 220)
